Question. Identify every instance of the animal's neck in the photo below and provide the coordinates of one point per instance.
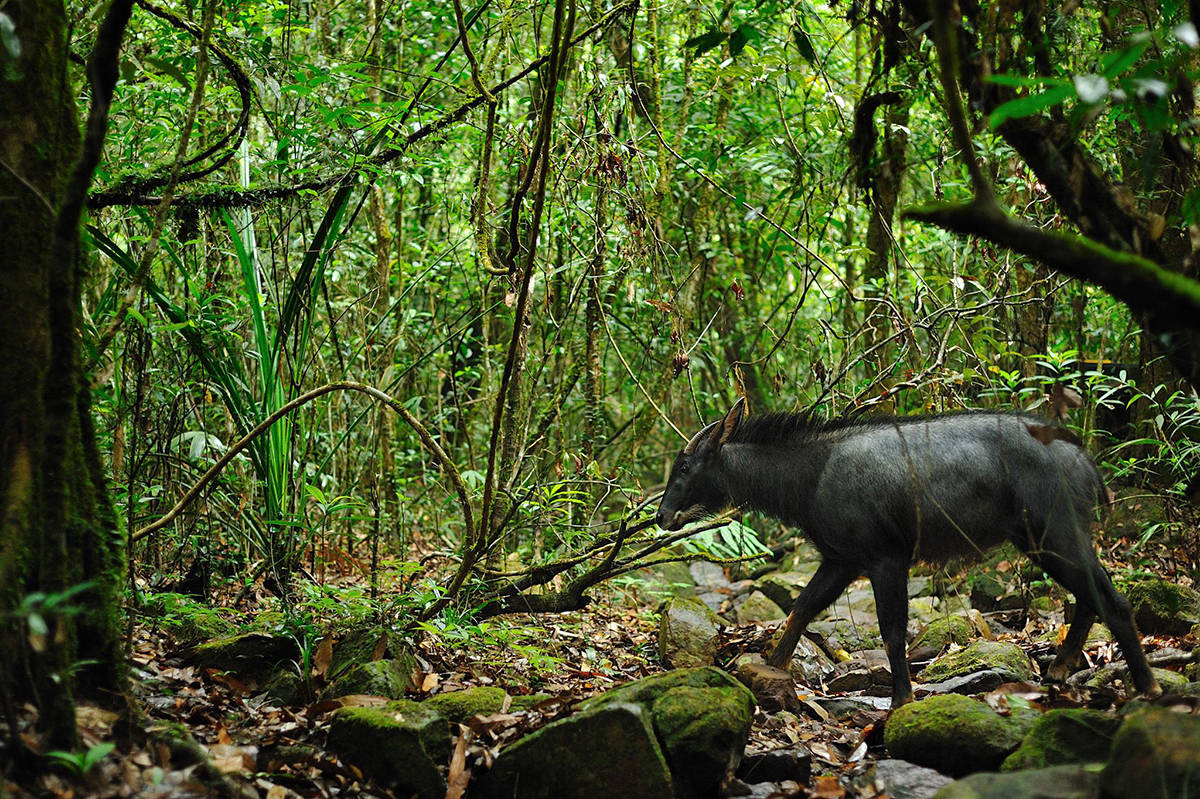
(777, 480)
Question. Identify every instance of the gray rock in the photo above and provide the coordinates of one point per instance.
(776, 766)
(852, 636)
(708, 576)
(713, 600)
(900, 779)
(782, 588)
(758, 608)
(687, 633)
(842, 707)
(850, 678)
(809, 664)
(976, 682)
(1059, 782)
(1102, 676)
(607, 751)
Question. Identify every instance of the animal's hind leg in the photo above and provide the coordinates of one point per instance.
(1072, 646)
(1078, 570)
(889, 581)
(826, 585)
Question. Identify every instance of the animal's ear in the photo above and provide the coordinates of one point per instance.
(690, 447)
(731, 421)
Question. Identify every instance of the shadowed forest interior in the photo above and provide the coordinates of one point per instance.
(414, 398)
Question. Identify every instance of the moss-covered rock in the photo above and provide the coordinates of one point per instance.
(1155, 755)
(665, 580)
(1162, 607)
(1059, 782)
(609, 750)
(703, 733)
(400, 744)
(1170, 681)
(1059, 737)
(942, 632)
(980, 655)
(249, 655)
(390, 678)
(183, 618)
(758, 608)
(701, 718)
(527, 701)
(782, 588)
(850, 636)
(952, 734)
(458, 706)
(285, 686)
(687, 633)
(363, 645)
(988, 593)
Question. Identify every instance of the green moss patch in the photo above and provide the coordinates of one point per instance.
(980, 655)
(952, 734)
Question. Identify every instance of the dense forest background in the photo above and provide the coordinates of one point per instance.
(400, 310)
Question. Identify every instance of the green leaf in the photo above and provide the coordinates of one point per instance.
(170, 70)
(1029, 105)
(1020, 81)
(738, 39)
(97, 753)
(804, 44)
(706, 41)
(1113, 64)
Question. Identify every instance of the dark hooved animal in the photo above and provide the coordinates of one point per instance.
(874, 496)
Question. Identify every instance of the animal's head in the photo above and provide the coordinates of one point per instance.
(697, 486)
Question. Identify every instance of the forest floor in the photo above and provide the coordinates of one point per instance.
(275, 749)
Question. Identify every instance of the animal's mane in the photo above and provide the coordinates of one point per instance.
(791, 428)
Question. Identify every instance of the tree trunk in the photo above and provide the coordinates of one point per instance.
(61, 551)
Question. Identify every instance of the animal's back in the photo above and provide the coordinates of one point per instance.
(938, 487)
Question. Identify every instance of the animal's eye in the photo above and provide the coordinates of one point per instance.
(684, 468)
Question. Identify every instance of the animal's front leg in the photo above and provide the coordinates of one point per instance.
(827, 584)
(889, 581)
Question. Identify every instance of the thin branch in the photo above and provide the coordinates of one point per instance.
(948, 61)
(423, 434)
(224, 198)
(164, 206)
(1140, 283)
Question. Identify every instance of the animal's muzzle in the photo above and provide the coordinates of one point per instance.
(669, 521)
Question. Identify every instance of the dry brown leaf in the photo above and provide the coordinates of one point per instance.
(276, 792)
(323, 657)
(827, 787)
(429, 682)
(459, 776)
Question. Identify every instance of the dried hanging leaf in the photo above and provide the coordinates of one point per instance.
(323, 657)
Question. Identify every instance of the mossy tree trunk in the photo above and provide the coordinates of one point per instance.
(61, 551)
